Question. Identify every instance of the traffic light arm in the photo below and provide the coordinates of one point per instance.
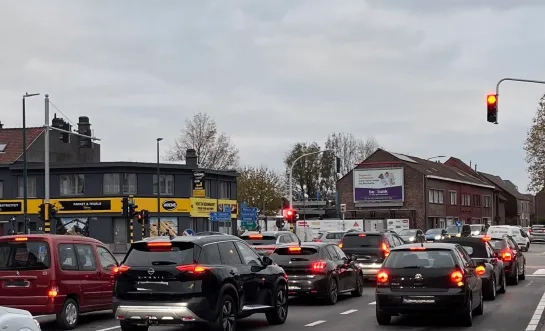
(73, 133)
(507, 79)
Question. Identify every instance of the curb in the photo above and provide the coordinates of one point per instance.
(538, 319)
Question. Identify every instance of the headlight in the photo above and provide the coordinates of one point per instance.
(411, 239)
(458, 235)
(37, 324)
(438, 237)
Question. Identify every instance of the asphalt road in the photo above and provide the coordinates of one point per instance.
(516, 310)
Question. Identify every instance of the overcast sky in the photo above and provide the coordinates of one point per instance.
(414, 74)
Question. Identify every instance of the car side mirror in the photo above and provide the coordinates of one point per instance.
(266, 261)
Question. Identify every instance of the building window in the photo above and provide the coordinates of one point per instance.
(476, 200)
(72, 184)
(466, 199)
(453, 197)
(1, 189)
(119, 183)
(31, 187)
(224, 190)
(487, 201)
(436, 196)
(166, 184)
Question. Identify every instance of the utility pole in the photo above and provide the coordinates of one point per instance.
(25, 165)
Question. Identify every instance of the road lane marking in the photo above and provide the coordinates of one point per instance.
(110, 328)
(534, 321)
(538, 273)
(309, 324)
(373, 303)
(530, 283)
(349, 311)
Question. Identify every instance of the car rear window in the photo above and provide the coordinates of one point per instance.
(479, 248)
(259, 239)
(362, 240)
(145, 254)
(297, 253)
(335, 235)
(420, 259)
(24, 255)
(496, 243)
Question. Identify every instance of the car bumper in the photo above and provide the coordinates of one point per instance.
(305, 285)
(391, 302)
(535, 238)
(369, 270)
(36, 305)
(196, 310)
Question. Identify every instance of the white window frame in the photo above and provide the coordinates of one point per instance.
(120, 183)
(487, 201)
(166, 184)
(436, 196)
(72, 184)
(453, 196)
(31, 187)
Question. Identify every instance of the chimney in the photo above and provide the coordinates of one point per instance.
(475, 167)
(1, 125)
(470, 163)
(191, 157)
(84, 127)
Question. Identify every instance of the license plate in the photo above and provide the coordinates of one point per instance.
(419, 300)
(294, 288)
(17, 283)
(429, 241)
(153, 322)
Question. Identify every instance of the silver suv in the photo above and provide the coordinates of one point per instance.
(330, 237)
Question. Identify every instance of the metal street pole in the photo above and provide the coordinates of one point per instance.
(158, 189)
(25, 164)
(514, 80)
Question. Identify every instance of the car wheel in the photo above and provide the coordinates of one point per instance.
(527, 247)
(467, 316)
(332, 292)
(515, 278)
(68, 318)
(358, 291)
(503, 287)
(480, 308)
(522, 276)
(382, 318)
(227, 312)
(491, 290)
(279, 314)
(126, 326)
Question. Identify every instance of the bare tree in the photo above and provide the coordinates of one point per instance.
(350, 149)
(214, 149)
(260, 187)
(535, 149)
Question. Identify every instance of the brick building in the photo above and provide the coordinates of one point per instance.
(429, 194)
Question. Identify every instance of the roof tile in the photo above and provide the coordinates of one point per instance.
(13, 139)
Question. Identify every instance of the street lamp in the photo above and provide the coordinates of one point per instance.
(25, 165)
(158, 189)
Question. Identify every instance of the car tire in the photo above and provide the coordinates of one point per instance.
(382, 318)
(68, 318)
(126, 326)
(527, 247)
(358, 291)
(522, 276)
(466, 318)
(279, 314)
(515, 278)
(332, 291)
(503, 287)
(227, 314)
(480, 308)
(491, 290)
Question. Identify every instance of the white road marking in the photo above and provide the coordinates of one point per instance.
(373, 303)
(538, 273)
(349, 311)
(532, 326)
(110, 328)
(309, 324)
(530, 283)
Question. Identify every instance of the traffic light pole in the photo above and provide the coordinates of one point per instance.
(514, 80)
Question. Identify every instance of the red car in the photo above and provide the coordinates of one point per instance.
(56, 274)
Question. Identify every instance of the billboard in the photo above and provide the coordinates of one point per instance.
(378, 186)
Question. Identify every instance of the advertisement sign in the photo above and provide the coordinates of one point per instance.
(384, 185)
(228, 203)
(203, 207)
(12, 206)
(199, 191)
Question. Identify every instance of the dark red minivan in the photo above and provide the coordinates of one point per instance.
(56, 274)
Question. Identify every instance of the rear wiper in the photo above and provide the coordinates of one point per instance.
(365, 245)
(163, 263)
(412, 267)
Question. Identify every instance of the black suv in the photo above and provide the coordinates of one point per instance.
(188, 280)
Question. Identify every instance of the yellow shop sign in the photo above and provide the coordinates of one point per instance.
(203, 207)
(228, 203)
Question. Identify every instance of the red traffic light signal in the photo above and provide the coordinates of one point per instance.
(290, 215)
(492, 108)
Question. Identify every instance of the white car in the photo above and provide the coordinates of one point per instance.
(17, 320)
(517, 233)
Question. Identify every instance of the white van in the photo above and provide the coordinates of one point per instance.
(517, 233)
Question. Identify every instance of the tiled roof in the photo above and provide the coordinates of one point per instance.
(440, 170)
(509, 188)
(12, 138)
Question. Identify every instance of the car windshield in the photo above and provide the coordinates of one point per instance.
(433, 258)
(434, 231)
(24, 255)
(452, 229)
(361, 240)
(409, 232)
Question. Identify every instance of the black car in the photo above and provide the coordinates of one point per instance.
(319, 269)
(212, 280)
(265, 242)
(370, 249)
(431, 278)
(514, 261)
(489, 266)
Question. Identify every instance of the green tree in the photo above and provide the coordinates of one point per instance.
(535, 149)
(260, 187)
(307, 171)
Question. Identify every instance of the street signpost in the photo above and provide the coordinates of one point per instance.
(248, 217)
(458, 224)
(221, 216)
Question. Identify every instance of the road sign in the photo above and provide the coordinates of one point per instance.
(458, 223)
(220, 216)
(249, 225)
(248, 214)
(188, 232)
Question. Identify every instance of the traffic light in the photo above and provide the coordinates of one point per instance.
(290, 215)
(132, 210)
(52, 211)
(139, 218)
(43, 211)
(65, 137)
(125, 207)
(145, 215)
(492, 108)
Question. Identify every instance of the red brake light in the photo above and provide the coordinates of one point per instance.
(318, 266)
(121, 269)
(480, 270)
(486, 238)
(382, 277)
(361, 235)
(419, 248)
(192, 268)
(385, 249)
(21, 239)
(506, 256)
(457, 278)
(317, 240)
(294, 249)
(53, 290)
(340, 244)
(256, 236)
(162, 244)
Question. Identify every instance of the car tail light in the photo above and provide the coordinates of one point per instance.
(382, 277)
(486, 238)
(362, 235)
(21, 239)
(192, 268)
(385, 249)
(419, 248)
(53, 290)
(256, 236)
(317, 240)
(340, 244)
(457, 277)
(159, 246)
(318, 266)
(480, 270)
(294, 250)
(506, 256)
(121, 269)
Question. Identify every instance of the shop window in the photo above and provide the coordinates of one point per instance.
(166, 184)
(72, 184)
(73, 226)
(169, 226)
(31, 187)
(119, 183)
(224, 190)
